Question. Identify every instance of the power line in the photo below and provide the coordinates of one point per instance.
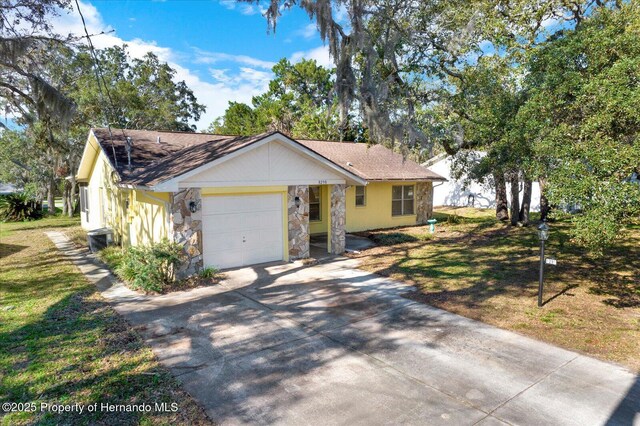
(101, 82)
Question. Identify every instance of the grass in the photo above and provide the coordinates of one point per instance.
(482, 269)
(60, 342)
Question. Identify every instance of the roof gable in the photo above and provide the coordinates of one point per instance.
(89, 156)
(274, 162)
(158, 156)
(160, 159)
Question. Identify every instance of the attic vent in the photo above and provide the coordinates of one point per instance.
(128, 146)
(349, 163)
(158, 139)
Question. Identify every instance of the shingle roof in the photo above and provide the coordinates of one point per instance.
(180, 152)
(176, 154)
(373, 163)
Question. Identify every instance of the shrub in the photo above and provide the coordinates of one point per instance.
(19, 207)
(112, 256)
(208, 272)
(148, 268)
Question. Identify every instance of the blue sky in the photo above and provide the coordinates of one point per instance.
(221, 48)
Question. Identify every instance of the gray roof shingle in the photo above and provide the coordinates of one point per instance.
(371, 162)
(180, 152)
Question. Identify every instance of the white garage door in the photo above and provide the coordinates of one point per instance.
(241, 229)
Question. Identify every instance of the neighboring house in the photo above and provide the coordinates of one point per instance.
(233, 201)
(463, 192)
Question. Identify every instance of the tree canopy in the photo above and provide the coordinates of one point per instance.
(301, 101)
(545, 88)
(55, 88)
(581, 117)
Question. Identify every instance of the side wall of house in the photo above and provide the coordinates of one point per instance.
(105, 200)
(136, 217)
(376, 213)
(147, 217)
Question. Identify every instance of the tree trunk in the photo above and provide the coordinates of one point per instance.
(72, 196)
(502, 213)
(51, 203)
(66, 207)
(525, 208)
(544, 203)
(515, 197)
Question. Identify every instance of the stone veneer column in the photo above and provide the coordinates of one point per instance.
(424, 201)
(298, 219)
(338, 218)
(186, 229)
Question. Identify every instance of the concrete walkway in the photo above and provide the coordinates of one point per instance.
(330, 344)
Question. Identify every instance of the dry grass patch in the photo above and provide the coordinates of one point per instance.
(488, 271)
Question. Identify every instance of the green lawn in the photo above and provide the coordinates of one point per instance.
(482, 269)
(60, 342)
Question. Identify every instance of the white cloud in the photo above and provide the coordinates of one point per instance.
(320, 54)
(204, 57)
(308, 31)
(254, 78)
(229, 4)
(239, 87)
(245, 8)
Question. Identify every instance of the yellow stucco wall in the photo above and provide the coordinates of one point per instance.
(145, 220)
(147, 217)
(377, 211)
(105, 207)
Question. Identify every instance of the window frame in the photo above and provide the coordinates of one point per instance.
(84, 201)
(319, 203)
(363, 195)
(403, 198)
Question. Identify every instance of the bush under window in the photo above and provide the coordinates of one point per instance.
(148, 268)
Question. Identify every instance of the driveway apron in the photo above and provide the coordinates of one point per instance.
(331, 344)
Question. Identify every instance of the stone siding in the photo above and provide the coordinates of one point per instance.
(338, 218)
(298, 218)
(424, 201)
(186, 228)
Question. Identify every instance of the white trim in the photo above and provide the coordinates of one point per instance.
(204, 184)
(138, 187)
(85, 153)
(173, 184)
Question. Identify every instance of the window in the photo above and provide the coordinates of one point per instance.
(84, 201)
(314, 203)
(361, 199)
(402, 200)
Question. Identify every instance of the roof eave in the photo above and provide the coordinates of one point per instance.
(412, 179)
(171, 184)
(138, 187)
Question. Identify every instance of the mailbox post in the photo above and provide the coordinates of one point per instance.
(543, 235)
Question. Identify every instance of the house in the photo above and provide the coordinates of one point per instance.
(234, 201)
(464, 192)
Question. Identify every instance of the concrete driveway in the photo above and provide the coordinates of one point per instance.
(330, 344)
